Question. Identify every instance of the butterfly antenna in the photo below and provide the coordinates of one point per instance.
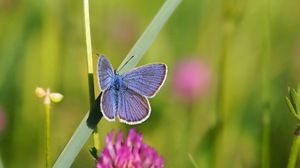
(125, 63)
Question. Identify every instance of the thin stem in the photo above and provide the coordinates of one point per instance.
(294, 151)
(193, 161)
(90, 66)
(88, 36)
(1, 164)
(47, 136)
(222, 84)
(266, 140)
(189, 126)
(266, 85)
(188, 131)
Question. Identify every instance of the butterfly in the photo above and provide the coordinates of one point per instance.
(126, 96)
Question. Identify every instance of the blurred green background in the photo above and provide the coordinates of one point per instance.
(42, 43)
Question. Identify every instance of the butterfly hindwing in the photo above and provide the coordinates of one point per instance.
(146, 80)
(133, 108)
(105, 73)
(108, 104)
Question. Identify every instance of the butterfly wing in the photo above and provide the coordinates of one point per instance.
(133, 108)
(108, 104)
(146, 80)
(105, 73)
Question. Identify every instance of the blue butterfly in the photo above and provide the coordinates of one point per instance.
(126, 96)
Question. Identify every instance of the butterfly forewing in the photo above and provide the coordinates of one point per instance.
(108, 104)
(146, 80)
(105, 73)
(133, 108)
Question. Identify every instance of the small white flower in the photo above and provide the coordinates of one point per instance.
(40, 92)
(56, 97)
(49, 97)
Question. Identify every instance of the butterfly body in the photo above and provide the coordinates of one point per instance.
(126, 96)
(118, 82)
(117, 87)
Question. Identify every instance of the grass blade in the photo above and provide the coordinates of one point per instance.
(193, 161)
(71, 150)
(80, 136)
(77, 141)
(148, 36)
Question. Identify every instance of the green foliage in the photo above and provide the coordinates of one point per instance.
(293, 102)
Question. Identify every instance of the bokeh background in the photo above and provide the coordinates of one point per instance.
(233, 57)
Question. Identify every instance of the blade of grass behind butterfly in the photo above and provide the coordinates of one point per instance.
(148, 36)
(84, 130)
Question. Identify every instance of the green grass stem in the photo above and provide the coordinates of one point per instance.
(193, 161)
(88, 37)
(48, 135)
(221, 101)
(266, 86)
(266, 139)
(90, 66)
(294, 151)
(1, 164)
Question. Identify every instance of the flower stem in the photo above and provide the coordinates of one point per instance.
(266, 86)
(266, 139)
(294, 150)
(47, 136)
(90, 66)
(188, 131)
(88, 37)
(221, 101)
(1, 164)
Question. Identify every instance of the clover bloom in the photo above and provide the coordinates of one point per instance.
(192, 78)
(129, 153)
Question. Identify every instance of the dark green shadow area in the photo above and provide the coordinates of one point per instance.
(95, 114)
